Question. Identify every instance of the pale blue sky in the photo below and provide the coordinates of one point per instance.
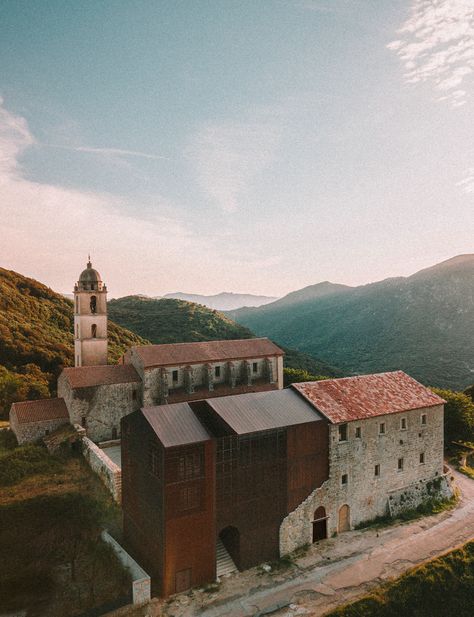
(242, 146)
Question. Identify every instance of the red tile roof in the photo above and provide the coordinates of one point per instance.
(175, 354)
(87, 376)
(38, 411)
(365, 396)
(175, 425)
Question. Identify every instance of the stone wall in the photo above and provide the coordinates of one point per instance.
(104, 467)
(410, 497)
(34, 431)
(100, 408)
(352, 480)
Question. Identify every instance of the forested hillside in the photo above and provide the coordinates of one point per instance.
(36, 338)
(423, 324)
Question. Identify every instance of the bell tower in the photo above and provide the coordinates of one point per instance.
(90, 319)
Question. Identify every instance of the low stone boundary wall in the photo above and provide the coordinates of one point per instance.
(410, 497)
(104, 467)
(141, 582)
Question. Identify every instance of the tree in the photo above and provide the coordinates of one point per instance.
(458, 416)
(295, 375)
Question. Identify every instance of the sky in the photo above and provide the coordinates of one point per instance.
(234, 145)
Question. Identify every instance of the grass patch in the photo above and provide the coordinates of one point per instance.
(18, 463)
(467, 471)
(7, 440)
(441, 587)
(428, 507)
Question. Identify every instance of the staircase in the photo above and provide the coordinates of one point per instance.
(224, 565)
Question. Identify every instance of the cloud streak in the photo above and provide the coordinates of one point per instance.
(110, 152)
(436, 46)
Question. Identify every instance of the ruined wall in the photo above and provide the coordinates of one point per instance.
(104, 467)
(366, 494)
(100, 408)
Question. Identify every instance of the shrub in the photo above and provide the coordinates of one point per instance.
(20, 462)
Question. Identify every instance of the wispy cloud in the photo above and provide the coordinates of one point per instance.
(110, 152)
(229, 157)
(436, 45)
(467, 185)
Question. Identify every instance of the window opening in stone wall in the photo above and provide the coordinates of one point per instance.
(422, 458)
(175, 376)
(358, 432)
(382, 428)
(377, 471)
(344, 478)
(134, 395)
(217, 371)
(93, 304)
(342, 432)
(94, 330)
(83, 422)
(423, 419)
(255, 367)
(400, 464)
(403, 424)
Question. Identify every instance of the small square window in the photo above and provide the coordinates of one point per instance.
(423, 419)
(403, 424)
(422, 458)
(382, 428)
(358, 432)
(342, 432)
(344, 478)
(175, 376)
(255, 367)
(400, 464)
(217, 371)
(377, 471)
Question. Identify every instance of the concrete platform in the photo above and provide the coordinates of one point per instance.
(114, 453)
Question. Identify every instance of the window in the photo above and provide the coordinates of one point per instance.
(134, 395)
(189, 498)
(175, 376)
(94, 330)
(423, 419)
(403, 424)
(255, 367)
(344, 478)
(400, 464)
(77, 304)
(342, 432)
(422, 458)
(83, 422)
(377, 471)
(217, 371)
(93, 304)
(382, 428)
(190, 466)
(358, 432)
(153, 459)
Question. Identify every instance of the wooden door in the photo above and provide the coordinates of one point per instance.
(319, 530)
(344, 518)
(183, 580)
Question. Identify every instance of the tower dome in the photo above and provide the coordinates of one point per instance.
(90, 279)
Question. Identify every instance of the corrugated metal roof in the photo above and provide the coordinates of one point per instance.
(262, 411)
(175, 425)
(175, 354)
(86, 376)
(38, 411)
(365, 396)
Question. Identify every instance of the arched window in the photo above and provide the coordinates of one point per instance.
(93, 304)
(94, 330)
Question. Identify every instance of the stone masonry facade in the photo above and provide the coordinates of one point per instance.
(380, 456)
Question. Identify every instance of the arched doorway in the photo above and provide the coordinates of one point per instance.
(344, 518)
(320, 531)
(230, 538)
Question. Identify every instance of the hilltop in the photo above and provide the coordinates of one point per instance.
(225, 301)
(423, 324)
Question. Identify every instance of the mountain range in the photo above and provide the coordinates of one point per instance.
(225, 301)
(423, 324)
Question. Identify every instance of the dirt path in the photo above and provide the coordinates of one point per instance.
(343, 569)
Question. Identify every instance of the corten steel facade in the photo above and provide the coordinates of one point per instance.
(233, 484)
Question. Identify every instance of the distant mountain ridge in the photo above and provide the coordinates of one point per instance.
(224, 301)
(423, 324)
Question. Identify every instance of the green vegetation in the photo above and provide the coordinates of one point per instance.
(458, 416)
(423, 324)
(36, 339)
(428, 507)
(294, 375)
(51, 516)
(441, 587)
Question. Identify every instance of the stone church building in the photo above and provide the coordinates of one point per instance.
(219, 462)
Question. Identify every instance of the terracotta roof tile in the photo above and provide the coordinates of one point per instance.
(365, 396)
(38, 411)
(175, 354)
(87, 376)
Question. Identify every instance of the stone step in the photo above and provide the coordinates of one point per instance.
(224, 562)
